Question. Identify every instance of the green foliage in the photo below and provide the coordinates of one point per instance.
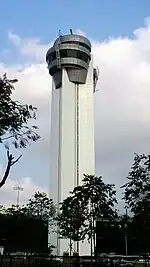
(79, 212)
(71, 219)
(100, 197)
(41, 207)
(137, 198)
(136, 190)
(15, 116)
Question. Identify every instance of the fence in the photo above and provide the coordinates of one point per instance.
(65, 261)
(27, 261)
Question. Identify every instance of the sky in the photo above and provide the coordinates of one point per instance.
(120, 36)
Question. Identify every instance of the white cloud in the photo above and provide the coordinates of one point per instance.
(122, 121)
(8, 195)
(30, 47)
(80, 32)
(34, 87)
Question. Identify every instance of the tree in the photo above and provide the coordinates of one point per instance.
(71, 220)
(87, 202)
(14, 118)
(138, 186)
(137, 198)
(40, 206)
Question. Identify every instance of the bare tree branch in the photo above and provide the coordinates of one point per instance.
(11, 162)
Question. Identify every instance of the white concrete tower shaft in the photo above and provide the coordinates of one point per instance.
(72, 121)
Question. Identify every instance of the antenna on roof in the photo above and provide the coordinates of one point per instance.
(59, 33)
(71, 32)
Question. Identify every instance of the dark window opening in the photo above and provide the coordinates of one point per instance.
(51, 57)
(75, 54)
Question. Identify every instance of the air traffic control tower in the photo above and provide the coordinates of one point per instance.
(74, 79)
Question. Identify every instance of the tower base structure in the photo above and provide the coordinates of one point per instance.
(72, 124)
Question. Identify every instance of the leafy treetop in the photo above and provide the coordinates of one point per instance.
(137, 189)
(14, 116)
